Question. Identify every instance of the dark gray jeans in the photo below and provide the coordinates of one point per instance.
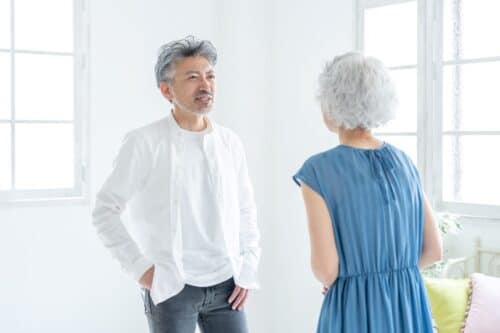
(206, 306)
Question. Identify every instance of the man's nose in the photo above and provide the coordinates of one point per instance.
(205, 83)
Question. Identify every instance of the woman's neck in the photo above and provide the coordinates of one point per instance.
(358, 137)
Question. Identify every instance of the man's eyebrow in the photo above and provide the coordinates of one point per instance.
(191, 72)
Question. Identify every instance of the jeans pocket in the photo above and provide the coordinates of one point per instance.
(225, 288)
(146, 299)
(229, 283)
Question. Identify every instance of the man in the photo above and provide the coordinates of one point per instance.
(184, 181)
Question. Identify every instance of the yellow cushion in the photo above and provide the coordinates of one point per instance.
(449, 299)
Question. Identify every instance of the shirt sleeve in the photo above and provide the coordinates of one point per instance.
(125, 180)
(249, 230)
(308, 175)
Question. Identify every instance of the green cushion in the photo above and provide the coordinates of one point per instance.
(449, 299)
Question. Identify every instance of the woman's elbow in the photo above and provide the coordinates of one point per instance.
(330, 278)
(326, 274)
(437, 251)
(430, 257)
(437, 254)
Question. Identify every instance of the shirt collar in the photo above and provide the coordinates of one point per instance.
(176, 129)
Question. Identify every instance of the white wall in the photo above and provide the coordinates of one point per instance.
(306, 34)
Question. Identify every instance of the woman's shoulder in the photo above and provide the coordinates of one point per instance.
(324, 157)
(403, 156)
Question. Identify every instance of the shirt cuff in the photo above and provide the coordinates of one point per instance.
(139, 267)
(247, 278)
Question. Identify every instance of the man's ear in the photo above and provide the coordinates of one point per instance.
(166, 91)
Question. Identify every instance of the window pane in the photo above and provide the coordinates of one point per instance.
(470, 97)
(44, 87)
(406, 143)
(391, 33)
(4, 24)
(5, 92)
(44, 25)
(44, 156)
(470, 29)
(470, 169)
(406, 116)
(5, 157)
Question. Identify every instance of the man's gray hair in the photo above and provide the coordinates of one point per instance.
(357, 92)
(171, 52)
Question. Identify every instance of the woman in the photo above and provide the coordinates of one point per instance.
(370, 224)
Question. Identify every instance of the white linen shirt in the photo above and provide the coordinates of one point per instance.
(145, 181)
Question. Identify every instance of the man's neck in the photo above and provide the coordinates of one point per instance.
(189, 120)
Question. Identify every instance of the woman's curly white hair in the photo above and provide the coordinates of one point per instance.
(357, 92)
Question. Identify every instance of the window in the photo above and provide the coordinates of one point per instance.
(43, 97)
(445, 61)
(380, 39)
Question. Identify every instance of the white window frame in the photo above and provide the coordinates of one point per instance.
(429, 104)
(79, 193)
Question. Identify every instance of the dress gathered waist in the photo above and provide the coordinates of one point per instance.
(389, 271)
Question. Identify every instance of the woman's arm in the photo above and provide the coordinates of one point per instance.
(324, 256)
(432, 248)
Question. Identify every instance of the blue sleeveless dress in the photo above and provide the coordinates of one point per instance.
(374, 198)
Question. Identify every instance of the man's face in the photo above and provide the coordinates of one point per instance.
(193, 86)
